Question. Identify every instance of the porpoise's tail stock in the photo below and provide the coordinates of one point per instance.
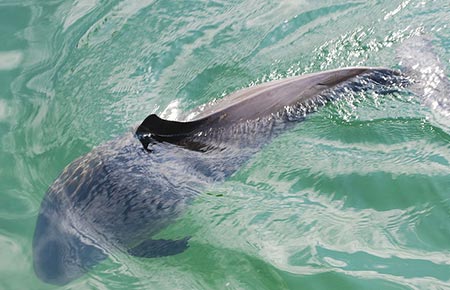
(290, 98)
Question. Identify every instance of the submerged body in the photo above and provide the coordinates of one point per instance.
(122, 193)
(82, 218)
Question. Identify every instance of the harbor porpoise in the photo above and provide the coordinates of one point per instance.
(123, 193)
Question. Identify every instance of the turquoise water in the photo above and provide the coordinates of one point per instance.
(355, 197)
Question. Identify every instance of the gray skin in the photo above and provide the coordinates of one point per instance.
(122, 193)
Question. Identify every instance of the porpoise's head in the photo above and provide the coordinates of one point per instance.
(80, 212)
(59, 253)
(62, 249)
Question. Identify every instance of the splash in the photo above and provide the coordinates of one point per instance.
(419, 59)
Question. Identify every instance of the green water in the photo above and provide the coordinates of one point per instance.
(355, 197)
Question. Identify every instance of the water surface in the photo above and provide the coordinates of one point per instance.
(355, 197)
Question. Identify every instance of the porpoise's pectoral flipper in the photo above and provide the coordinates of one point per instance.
(159, 248)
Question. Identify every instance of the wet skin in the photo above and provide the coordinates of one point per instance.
(122, 193)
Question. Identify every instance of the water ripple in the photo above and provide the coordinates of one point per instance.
(355, 197)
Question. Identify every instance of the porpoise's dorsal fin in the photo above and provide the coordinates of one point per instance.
(165, 130)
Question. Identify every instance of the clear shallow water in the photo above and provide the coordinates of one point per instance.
(355, 197)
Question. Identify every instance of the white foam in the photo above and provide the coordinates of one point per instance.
(3, 110)
(10, 60)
